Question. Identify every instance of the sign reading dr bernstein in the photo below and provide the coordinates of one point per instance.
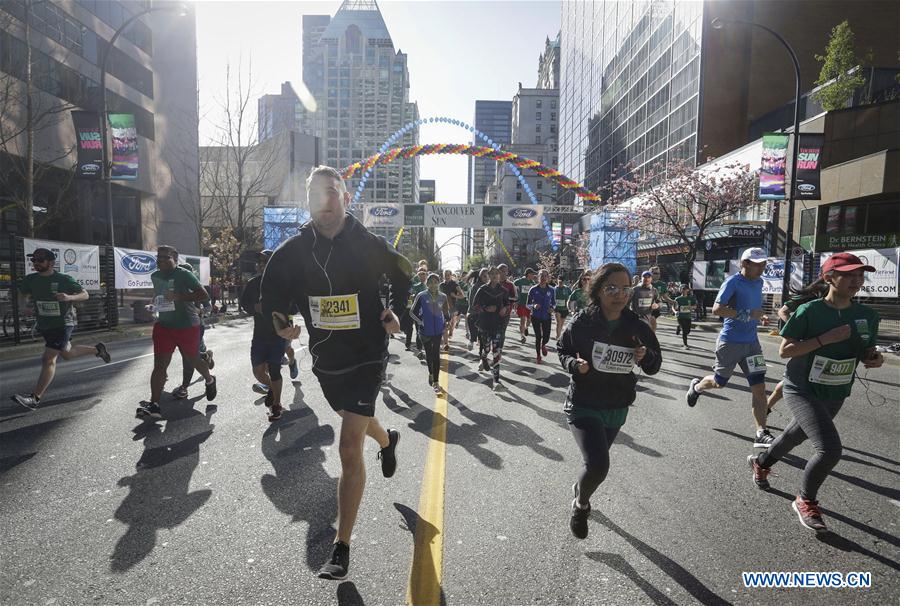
(835, 242)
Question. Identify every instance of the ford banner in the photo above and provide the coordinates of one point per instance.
(383, 215)
(133, 268)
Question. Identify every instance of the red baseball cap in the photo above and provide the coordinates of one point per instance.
(844, 262)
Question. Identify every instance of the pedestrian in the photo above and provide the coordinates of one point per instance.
(541, 303)
(331, 270)
(178, 326)
(824, 341)
(491, 305)
(187, 368)
(662, 288)
(563, 293)
(684, 305)
(599, 348)
(53, 294)
(739, 302)
(431, 311)
(450, 287)
(645, 300)
(523, 286)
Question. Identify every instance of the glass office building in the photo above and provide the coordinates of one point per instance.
(494, 119)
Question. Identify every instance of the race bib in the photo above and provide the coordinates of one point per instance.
(862, 328)
(612, 358)
(756, 364)
(339, 312)
(163, 305)
(524, 289)
(826, 371)
(645, 301)
(48, 308)
(686, 309)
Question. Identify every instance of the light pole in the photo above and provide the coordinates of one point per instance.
(718, 23)
(104, 126)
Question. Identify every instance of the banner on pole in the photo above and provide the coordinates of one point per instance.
(771, 171)
(133, 268)
(472, 216)
(89, 151)
(124, 147)
(773, 276)
(81, 261)
(808, 166)
(883, 283)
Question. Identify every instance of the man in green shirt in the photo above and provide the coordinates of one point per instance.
(685, 305)
(523, 287)
(53, 294)
(175, 292)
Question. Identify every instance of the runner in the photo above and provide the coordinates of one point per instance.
(176, 290)
(541, 302)
(645, 300)
(599, 348)
(739, 302)
(563, 293)
(418, 285)
(481, 279)
(824, 342)
(450, 287)
(523, 286)
(462, 305)
(266, 347)
(431, 312)
(491, 305)
(331, 269)
(187, 369)
(53, 294)
(685, 306)
(511, 301)
(578, 300)
(663, 289)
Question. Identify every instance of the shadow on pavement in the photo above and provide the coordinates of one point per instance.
(618, 563)
(159, 494)
(300, 486)
(676, 571)
(348, 595)
(624, 439)
(423, 562)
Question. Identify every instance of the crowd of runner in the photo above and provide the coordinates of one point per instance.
(354, 291)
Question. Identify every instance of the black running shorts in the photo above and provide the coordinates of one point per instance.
(355, 391)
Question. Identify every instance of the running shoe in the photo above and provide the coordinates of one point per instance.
(763, 439)
(209, 359)
(270, 398)
(498, 386)
(544, 350)
(275, 412)
(211, 389)
(284, 360)
(760, 474)
(447, 347)
(387, 454)
(408, 348)
(30, 401)
(338, 564)
(180, 393)
(437, 389)
(523, 338)
(260, 388)
(578, 522)
(692, 394)
(538, 360)
(102, 353)
(686, 347)
(482, 366)
(809, 513)
(148, 410)
(294, 369)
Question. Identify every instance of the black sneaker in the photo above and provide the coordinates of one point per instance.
(294, 369)
(29, 401)
(387, 455)
(763, 439)
(102, 353)
(338, 565)
(211, 390)
(148, 410)
(578, 522)
(692, 394)
(275, 412)
(270, 398)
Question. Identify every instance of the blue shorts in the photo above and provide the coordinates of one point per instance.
(267, 350)
(57, 338)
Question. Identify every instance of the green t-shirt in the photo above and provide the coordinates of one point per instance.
(43, 290)
(562, 297)
(415, 289)
(175, 314)
(685, 305)
(463, 304)
(577, 300)
(662, 288)
(523, 285)
(828, 372)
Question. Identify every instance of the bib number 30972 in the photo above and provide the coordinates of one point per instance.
(612, 358)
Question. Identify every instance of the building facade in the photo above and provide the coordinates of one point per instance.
(281, 113)
(494, 119)
(548, 64)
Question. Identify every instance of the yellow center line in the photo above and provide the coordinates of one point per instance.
(426, 572)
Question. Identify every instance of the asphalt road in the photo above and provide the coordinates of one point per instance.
(217, 506)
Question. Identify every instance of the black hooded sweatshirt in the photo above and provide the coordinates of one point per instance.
(350, 266)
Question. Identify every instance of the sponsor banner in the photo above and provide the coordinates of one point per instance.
(90, 145)
(133, 268)
(773, 276)
(454, 215)
(124, 147)
(808, 166)
(836, 242)
(771, 170)
(883, 282)
(200, 266)
(526, 217)
(473, 216)
(81, 261)
(383, 215)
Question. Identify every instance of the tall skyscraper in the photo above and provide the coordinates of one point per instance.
(279, 113)
(493, 118)
(548, 64)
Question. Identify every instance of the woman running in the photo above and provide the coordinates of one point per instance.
(431, 312)
(578, 300)
(541, 303)
(563, 293)
(491, 305)
(824, 341)
(599, 348)
(478, 279)
(684, 304)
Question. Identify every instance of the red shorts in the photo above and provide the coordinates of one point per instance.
(522, 311)
(165, 340)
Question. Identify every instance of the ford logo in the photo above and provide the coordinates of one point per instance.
(806, 187)
(522, 213)
(383, 211)
(139, 263)
(90, 169)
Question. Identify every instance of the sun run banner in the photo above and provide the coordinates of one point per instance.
(808, 166)
(124, 147)
(90, 145)
(883, 282)
(81, 261)
(771, 171)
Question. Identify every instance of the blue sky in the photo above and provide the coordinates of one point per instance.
(458, 52)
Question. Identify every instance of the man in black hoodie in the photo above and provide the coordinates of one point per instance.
(332, 270)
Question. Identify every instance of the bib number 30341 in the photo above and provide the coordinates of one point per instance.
(612, 358)
(826, 371)
(338, 312)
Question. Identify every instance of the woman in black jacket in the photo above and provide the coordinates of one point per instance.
(599, 348)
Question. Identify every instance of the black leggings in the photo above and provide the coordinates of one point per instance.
(541, 333)
(433, 357)
(813, 420)
(593, 439)
(685, 324)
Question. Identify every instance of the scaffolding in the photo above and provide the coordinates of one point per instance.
(611, 241)
(280, 223)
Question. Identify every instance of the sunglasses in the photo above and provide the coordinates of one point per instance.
(614, 290)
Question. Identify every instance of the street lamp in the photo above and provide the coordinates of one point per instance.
(180, 11)
(718, 23)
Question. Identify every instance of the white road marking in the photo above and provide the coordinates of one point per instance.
(112, 363)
